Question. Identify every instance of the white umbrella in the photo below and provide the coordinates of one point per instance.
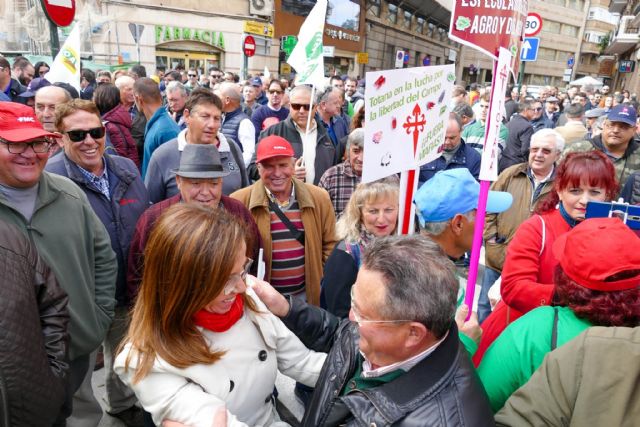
(588, 80)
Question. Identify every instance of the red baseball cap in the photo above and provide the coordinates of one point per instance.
(595, 250)
(18, 123)
(273, 146)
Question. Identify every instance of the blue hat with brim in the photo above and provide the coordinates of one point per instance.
(453, 192)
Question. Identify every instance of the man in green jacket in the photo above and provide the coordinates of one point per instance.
(593, 380)
(55, 214)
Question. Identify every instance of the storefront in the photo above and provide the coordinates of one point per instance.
(343, 36)
(182, 47)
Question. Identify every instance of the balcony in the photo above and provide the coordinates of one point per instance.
(590, 47)
(617, 6)
(624, 38)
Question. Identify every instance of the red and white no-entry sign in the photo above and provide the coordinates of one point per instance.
(60, 12)
(533, 25)
(249, 46)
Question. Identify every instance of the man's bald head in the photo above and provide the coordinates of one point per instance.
(229, 94)
(46, 100)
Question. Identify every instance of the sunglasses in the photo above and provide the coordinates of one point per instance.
(274, 92)
(537, 109)
(216, 76)
(192, 75)
(80, 134)
(296, 107)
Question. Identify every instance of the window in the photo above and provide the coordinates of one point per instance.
(546, 54)
(420, 25)
(551, 27)
(556, 2)
(374, 7)
(341, 13)
(431, 29)
(393, 13)
(407, 19)
(569, 30)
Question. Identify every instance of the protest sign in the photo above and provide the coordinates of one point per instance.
(489, 165)
(487, 25)
(406, 113)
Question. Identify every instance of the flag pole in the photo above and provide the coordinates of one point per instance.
(306, 134)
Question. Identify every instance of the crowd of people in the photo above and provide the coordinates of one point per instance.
(198, 234)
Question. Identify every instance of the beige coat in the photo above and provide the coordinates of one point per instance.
(318, 219)
(513, 180)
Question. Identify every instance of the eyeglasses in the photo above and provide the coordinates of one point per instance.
(275, 92)
(39, 146)
(360, 321)
(232, 283)
(537, 109)
(299, 106)
(216, 76)
(192, 75)
(79, 135)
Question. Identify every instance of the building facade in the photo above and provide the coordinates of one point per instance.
(624, 45)
(175, 33)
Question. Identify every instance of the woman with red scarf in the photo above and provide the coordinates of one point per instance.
(527, 276)
(199, 339)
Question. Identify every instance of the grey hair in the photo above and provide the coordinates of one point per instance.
(544, 133)
(437, 228)
(176, 86)
(355, 138)
(303, 88)
(420, 281)
(463, 109)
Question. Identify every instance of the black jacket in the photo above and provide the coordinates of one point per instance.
(517, 147)
(441, 390)
(326, 152)
(33, 334)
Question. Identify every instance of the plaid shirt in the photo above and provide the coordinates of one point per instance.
(101, 183)
(339, 181)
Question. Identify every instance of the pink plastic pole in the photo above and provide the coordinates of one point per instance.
(477, 245)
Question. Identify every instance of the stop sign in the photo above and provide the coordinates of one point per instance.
(249, 46)
(60, 12)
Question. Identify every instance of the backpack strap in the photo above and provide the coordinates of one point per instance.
(544, 234)
(554, 330)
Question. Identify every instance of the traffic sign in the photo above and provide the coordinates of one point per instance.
(399, 58)
(533, 25)
(136, 31)
(249, 46)
(529, 50)
(60, 12)
(571, 61)
(426, 61)
(406, 58)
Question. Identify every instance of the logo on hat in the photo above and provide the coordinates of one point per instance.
(26, 119)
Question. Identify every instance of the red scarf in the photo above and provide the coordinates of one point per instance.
(220, 322)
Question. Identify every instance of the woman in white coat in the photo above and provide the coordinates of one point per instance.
(199, 340)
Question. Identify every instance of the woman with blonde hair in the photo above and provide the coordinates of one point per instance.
(199, 339)
(372, 212)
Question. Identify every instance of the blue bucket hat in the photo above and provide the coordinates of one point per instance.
(453, 192)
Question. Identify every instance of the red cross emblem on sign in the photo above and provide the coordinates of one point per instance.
(413, 125)
(417, 125)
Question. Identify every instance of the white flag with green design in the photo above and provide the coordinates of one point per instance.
(306, 57)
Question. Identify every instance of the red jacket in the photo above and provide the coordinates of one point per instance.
(119, 130)
(527, 276)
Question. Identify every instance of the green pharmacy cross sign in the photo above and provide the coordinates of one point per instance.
(287, 43)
